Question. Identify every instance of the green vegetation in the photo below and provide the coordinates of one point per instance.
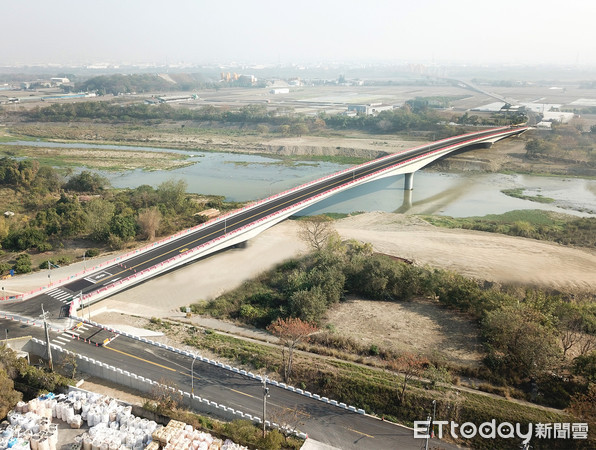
(374, 390)
(21, 380)
(565, 144)
(49, 210)
(519, 193)
(535, 224)
(286, 122)
(524, 331)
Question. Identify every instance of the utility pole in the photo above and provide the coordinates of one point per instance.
(430, 433)
(45, 324)
(265, 395)
(192, 376)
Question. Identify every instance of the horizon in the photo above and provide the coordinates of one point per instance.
(194, 33)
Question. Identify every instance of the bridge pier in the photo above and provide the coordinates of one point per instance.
(407, 203)
(409, 181)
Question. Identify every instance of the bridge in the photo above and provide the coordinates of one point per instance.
(240, 225)
(98, 351)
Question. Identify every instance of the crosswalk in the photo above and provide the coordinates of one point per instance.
(65, 337)
(61, 295)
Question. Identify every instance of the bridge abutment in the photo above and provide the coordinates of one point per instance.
(409, 181)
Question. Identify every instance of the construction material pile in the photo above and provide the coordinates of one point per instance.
(111, 427)
(30, 427)
(178, 436)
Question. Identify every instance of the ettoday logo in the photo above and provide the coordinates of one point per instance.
(504, 430)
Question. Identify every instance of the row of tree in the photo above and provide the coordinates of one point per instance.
(412, 116)
(138, 83)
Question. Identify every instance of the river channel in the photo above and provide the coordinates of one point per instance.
(242, 177)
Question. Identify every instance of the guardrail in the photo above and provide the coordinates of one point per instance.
(145, 384)
(226, 367)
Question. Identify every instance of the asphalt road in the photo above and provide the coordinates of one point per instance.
(323, 422)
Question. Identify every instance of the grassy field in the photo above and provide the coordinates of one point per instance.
(98, 158)
(519, 193)
(530, 223)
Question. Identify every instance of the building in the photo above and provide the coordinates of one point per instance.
(369, 110)
(176, 98)
(59, 81)
(277, 91)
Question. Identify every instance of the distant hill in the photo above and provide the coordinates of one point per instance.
(139, 83)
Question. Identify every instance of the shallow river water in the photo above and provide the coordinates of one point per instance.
(241, 177)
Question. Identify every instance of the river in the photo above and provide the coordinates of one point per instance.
(241, 177)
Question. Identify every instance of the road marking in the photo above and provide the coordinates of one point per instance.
(360, 432)
(242, 393)
(140, 359)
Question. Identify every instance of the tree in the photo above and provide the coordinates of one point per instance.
(571, 329)
(409, 366)
(25, 238)
(69, 365)
(290, 332)
(521, 341)
(86, 182)
(4, 228)
(299, 129)
(308, 304)
(148, 222)
(585, 366)
(582, 405)
(166, 398)
(172, 194)
(316, 231)
(10, 397)
(124, 227)
(99, 214)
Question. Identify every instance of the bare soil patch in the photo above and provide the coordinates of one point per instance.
(420, 326)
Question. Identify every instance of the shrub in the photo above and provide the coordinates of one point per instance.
(23, 264)
(64, 260)
(92, 252)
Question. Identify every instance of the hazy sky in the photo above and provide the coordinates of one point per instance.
(262, 31)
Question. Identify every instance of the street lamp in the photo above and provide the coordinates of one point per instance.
(192, 376)
(44, 315)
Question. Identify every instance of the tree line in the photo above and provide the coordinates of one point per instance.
(415, 115)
